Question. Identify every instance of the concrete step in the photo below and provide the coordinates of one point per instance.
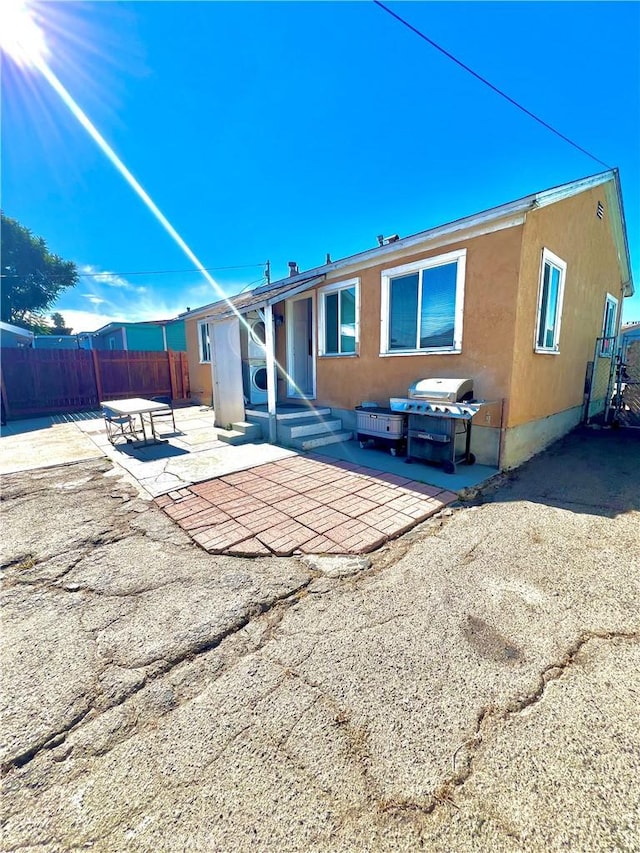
(310, 442)
(252, 431)
(256, 416)
(301, 427)
(234, 436)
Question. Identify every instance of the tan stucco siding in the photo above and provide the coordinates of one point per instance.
(492, 265)
(199, 374)
(545, 384)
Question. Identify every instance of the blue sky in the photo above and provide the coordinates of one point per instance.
(284, 131)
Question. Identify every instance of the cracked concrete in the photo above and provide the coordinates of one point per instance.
(472, 686)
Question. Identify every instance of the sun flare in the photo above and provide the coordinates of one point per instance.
(21, 36)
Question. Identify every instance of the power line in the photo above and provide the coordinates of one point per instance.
(163, 272)
(152, 272)
(487, 83)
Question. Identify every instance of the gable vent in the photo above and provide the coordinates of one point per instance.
(600, 210)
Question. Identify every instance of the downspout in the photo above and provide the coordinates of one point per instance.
(124, 338)
(269, 340)
(164, 337)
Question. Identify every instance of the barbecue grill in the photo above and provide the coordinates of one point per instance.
(439, 410)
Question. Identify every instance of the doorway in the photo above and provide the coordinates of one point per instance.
(301, 381)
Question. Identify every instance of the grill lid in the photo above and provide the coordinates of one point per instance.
(442, 390)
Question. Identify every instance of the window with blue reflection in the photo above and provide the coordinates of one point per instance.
(340, 321)
(331, 323)
(403, 312)
(348, 320)
(438, 309)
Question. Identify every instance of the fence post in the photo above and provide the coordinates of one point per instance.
(96, 373)
(184, 367)
(172, 377)
(5, 400)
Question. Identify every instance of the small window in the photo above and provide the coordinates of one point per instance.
(607, 344)
(204, 343)
(339, 318)
(550, 296)
(422, 306)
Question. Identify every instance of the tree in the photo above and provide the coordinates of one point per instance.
(32, 277)
(59, 327)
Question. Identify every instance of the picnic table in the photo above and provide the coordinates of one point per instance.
(120, 418)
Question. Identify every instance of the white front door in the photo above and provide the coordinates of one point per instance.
(301, 347)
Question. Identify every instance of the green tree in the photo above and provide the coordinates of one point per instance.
(59, 327)
(32, 277)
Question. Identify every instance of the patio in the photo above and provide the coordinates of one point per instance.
(253, 499)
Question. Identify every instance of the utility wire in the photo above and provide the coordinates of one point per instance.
(487, 83)
(162, 272)
(152, 272)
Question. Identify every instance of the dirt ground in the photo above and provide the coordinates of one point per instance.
(472, 686)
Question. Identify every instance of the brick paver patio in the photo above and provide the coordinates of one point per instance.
(302, 505)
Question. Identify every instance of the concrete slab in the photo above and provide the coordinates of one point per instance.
(27, 446)
(466, 476)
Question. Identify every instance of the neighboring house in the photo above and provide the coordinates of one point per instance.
(56, 342)
(514, 298)
(629, 332)
(149, 336)
(15, 336)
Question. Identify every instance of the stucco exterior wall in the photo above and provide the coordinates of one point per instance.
(545, 384)
(491, 280)
(199, 374)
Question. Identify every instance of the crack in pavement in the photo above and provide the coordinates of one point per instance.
(444, 793)
(161, 668)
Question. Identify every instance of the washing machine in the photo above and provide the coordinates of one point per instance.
(256, 336)
(255, 381)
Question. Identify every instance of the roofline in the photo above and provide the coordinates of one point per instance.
(16, 330)
(629, 288)
(512, 212)
(460, 226)
(273, 300)
(116, 324)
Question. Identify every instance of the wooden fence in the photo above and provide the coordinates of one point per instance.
(39, 381)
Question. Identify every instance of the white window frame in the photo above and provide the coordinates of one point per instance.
(324, 291)
(204, 353)
(553, 260)
(459, 257)
(606, 347)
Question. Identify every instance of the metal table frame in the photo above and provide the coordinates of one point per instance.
(137, 406)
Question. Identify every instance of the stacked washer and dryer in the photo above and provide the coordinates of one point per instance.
(254, 360)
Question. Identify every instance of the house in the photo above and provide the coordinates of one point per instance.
(629, 332)
(514, 298)
(148, 336)
(56, 342)
(15, 336)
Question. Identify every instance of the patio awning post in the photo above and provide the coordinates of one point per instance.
(270, 345)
